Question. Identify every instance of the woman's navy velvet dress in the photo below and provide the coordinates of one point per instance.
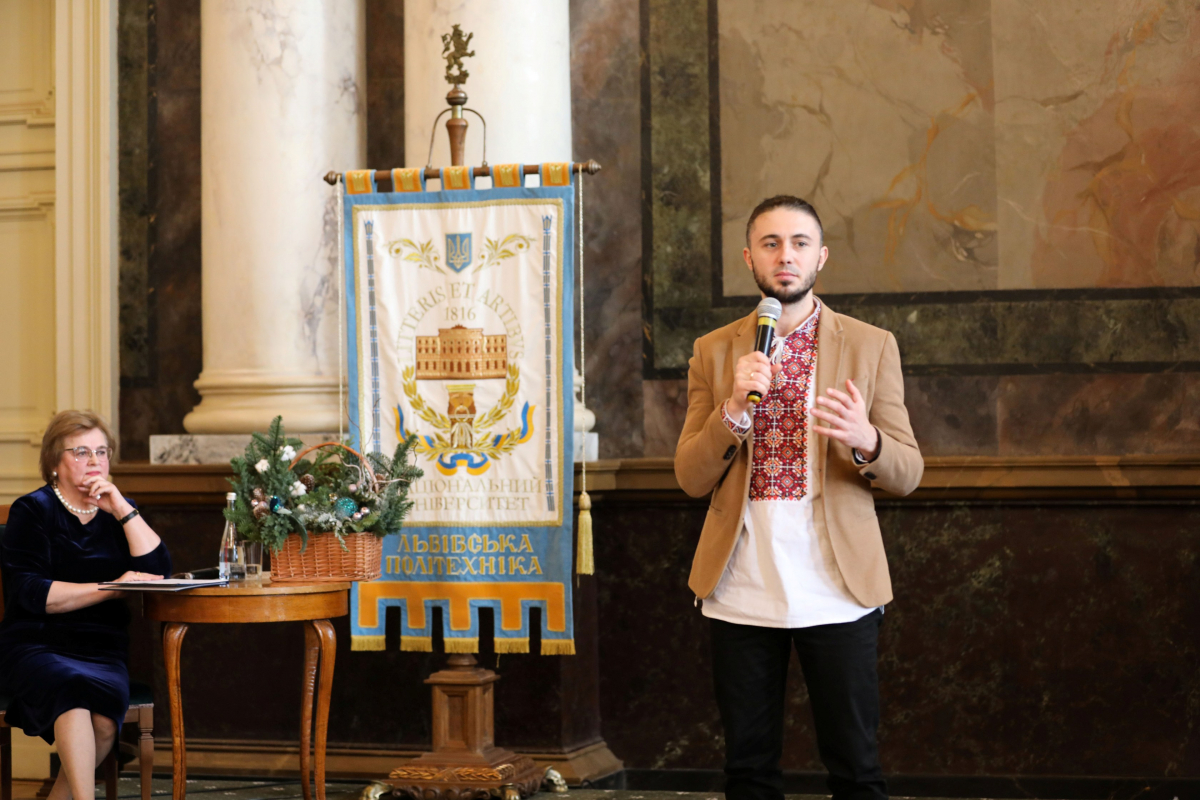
(51, 663)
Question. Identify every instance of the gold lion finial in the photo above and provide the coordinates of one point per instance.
(454, 50)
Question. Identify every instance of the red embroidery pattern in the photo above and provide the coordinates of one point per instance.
(781, 421)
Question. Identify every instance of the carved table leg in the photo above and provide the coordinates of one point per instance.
(312, 654)
(146, 748)
(172, 642)
(324, 628)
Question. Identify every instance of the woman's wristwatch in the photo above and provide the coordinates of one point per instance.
(129, 516)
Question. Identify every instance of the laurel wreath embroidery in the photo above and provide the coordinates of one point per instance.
(492, 447)
(408, 380)
(496, 251)
(511, 386)
(422, 254)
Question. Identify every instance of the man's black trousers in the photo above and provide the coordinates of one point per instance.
(839, 661)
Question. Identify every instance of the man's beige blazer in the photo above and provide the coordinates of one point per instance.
(713, 459)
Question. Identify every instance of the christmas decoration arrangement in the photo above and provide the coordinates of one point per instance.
(339, 492)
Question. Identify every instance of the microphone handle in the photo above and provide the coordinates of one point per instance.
(762, 343)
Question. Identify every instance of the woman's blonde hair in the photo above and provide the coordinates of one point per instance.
(65, 424)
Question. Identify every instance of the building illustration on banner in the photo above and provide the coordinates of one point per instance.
(462, 438)
(461, 352)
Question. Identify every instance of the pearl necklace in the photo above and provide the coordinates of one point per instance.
(71, 508)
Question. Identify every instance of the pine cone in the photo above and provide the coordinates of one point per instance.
(258, 494)
(260, 510)
(308, 481)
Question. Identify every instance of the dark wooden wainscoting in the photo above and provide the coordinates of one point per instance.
(1044, 629)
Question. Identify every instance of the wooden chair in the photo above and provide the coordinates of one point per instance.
(141, 711)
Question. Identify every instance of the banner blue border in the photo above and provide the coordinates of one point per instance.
(559, 538)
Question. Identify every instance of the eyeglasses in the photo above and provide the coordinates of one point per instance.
(84, 453)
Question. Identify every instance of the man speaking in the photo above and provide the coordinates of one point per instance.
(791, 552)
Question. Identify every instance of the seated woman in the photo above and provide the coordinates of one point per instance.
(64, 642)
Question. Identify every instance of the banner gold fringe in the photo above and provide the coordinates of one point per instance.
(585, 561)
(461, 645)
(511, 645)
(417, 644)
(365, 643)
(558, 647)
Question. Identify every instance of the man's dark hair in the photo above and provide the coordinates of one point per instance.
(783, 201)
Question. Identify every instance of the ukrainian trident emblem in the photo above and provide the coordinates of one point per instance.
(462, 437)
(458, 251)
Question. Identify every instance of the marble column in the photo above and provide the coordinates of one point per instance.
(282, 104)
(520, 79)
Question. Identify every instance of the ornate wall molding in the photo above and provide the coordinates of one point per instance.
(27, 86)
(38, 203)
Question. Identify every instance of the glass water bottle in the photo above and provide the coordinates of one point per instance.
(229, 561)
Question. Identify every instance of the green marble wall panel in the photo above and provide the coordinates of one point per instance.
(1040, 335)
(676, 175)
(158, 82)
(134, 103)
(985, 336)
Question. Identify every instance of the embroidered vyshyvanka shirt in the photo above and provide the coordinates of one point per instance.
(782, 574)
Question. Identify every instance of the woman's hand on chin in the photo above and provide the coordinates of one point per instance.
(101, 492)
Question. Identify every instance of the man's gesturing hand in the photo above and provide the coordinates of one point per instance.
(846, 415)
(754, 371)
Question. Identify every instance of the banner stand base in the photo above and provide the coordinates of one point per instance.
(465, 763)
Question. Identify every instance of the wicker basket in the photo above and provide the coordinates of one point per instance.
(325, 560)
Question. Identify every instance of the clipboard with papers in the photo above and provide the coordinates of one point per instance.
(165, 585)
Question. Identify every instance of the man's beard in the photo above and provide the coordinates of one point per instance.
(785, 296)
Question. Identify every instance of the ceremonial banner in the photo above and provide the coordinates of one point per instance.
(460, 331)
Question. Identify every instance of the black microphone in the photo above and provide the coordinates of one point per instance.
(768, 315)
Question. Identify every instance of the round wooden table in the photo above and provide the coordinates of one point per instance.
(314, 604)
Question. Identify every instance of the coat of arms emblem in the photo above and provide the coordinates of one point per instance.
(462, 437)
(458, 251)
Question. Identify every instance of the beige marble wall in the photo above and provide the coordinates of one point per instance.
(879, 112)
(1098, 142)
(967, 145)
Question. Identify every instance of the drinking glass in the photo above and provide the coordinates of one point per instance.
(252, 553)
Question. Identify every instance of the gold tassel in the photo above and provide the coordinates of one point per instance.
(504, 645)
(585, 559)
(558, 647)
(366, 643)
